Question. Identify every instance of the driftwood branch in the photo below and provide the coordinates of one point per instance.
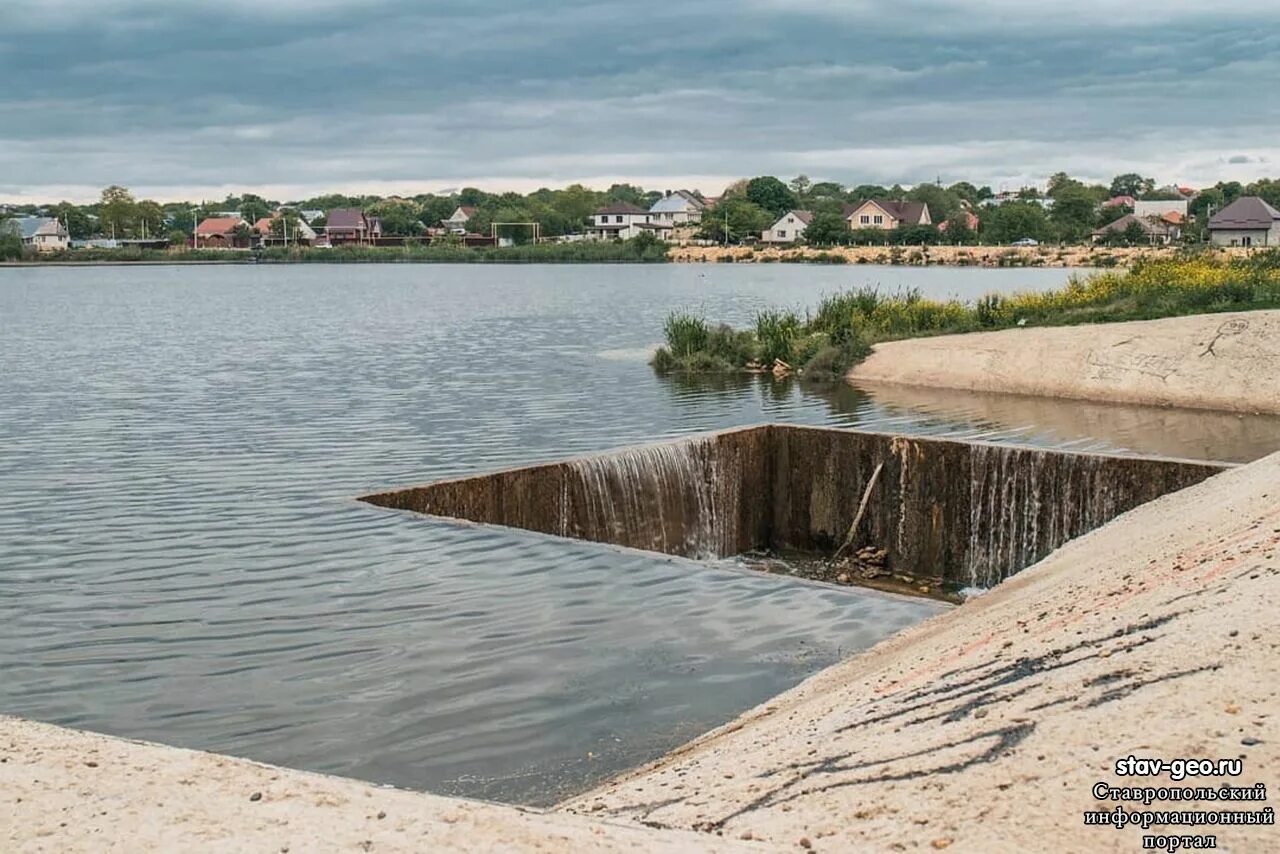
(862, 508)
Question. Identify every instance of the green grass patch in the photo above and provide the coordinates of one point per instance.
(840, 332)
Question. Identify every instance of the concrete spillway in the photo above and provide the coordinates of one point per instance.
(964, 513)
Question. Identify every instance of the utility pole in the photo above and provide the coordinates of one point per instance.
(726, 227)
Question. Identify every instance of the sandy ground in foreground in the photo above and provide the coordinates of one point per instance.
(68, 791)
(985, 729)
(955, 256)
(1227, 362)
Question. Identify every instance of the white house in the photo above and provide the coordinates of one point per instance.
(42, 233)
(457, 221)
(789, 228)
(623, 221)
(678, 208)
(1248, 221)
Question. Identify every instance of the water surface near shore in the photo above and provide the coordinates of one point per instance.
(183, 560)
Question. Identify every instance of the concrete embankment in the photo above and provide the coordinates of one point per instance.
(67, 791)
(987, 728)
(947, 256)
(1226, 362)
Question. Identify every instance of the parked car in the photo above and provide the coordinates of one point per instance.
(1026, 241)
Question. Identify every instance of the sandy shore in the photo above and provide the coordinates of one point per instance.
(953, 256)
(986, 728)
(1227, 362)
(67, 791)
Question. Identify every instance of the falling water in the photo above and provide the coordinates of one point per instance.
(1025, 503)
(669, 497)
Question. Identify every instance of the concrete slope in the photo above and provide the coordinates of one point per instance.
(986, 728)
(1209, 361)
(68, 791)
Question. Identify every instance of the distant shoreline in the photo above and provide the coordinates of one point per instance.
(917, 256)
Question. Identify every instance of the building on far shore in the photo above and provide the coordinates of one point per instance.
(222, 232)
(789, 228)
(1248, 221)
(623, 221)
(679, 208)
(41, 233)
(350, 225)
(886, 215)
(457, 221)
(297, 232)
(1162, 229)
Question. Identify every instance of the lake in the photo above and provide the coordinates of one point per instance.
(182, 559)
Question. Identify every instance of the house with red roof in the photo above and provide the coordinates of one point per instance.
(222, 232)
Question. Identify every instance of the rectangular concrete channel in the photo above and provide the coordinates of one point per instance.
(959, 513)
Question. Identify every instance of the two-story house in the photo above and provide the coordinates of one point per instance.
(350, 225)
(678, 208)
(622, 221)
(789, 228)
(886, 215)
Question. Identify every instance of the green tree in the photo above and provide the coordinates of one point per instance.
(1016, 220)
(253, 208)
(800, 186)
(1266, 188)
(1131, 184)
(742, 217)
(827, 229)
(772, 195)
(150, 219)
(117, 211)
(77, 220)
(943, 204)
(958, 230)
(1074, 211)
(400, 217)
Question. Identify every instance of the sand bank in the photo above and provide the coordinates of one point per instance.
(68, 791)
(1225, 362)
(986, 728)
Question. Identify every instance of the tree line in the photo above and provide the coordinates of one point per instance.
(746, 208)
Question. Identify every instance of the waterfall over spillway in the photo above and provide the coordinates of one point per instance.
(669, 498)
(968, 514)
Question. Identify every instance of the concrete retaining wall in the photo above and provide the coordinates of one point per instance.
(966, 513)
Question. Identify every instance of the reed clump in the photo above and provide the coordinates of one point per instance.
(839, 333)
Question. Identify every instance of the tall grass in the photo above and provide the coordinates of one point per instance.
(842, 328)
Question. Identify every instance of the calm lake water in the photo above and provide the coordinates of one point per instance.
(182, 558)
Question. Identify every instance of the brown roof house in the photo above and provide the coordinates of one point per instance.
(887, 215)
(222, 232)
(1158, 229)
(1248, 221)
(350, 225)
(789, 228)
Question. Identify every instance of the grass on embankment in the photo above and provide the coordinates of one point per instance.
(826, 344)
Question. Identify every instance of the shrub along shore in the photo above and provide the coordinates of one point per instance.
(825, 344)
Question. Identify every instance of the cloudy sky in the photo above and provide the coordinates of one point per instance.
(294, 97)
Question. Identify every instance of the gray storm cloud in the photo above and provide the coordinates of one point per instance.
(386, 95)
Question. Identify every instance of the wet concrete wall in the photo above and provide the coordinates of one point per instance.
(966, 513)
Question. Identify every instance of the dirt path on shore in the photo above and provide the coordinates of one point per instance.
(986, 728)
(1228, 362)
